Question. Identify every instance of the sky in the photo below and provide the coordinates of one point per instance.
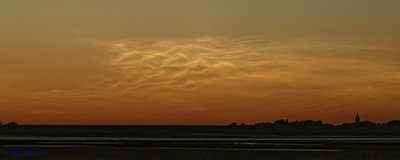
(198, 62)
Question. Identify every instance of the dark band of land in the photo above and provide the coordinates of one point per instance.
(277, 128)
(306, 139)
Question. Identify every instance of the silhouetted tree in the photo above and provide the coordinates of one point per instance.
(233, 124)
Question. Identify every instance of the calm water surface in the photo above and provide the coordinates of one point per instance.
(159, 148)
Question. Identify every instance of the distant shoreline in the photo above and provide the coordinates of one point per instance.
(279, 128)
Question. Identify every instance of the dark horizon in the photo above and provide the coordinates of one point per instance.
(357, 120)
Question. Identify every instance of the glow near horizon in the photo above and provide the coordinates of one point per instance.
(198, 62)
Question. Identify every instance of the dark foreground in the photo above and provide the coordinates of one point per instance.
(134, 148)
(172, 154)
(278, 141)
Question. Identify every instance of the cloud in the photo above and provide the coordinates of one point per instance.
(249, 77)
(292, 73)
(200, 61)
(171, 63)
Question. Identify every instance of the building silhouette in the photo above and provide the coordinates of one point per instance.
(357, 119)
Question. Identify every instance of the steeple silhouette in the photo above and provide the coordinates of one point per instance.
(357, 119)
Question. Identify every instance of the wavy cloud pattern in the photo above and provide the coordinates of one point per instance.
(247, 79)
(191, 63)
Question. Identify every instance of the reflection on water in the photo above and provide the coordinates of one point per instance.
(104, 153)
(287, 148)
(182, 148)
(332, 138)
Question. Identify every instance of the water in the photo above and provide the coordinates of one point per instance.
(310, 148)
(308, 138)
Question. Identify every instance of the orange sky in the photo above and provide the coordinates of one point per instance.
(198, 61)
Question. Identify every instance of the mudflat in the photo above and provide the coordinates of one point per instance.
(192, 148)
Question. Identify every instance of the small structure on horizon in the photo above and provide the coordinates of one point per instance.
(11, 124)
(357, 119)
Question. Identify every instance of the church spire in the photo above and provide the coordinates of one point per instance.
(357, 119)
